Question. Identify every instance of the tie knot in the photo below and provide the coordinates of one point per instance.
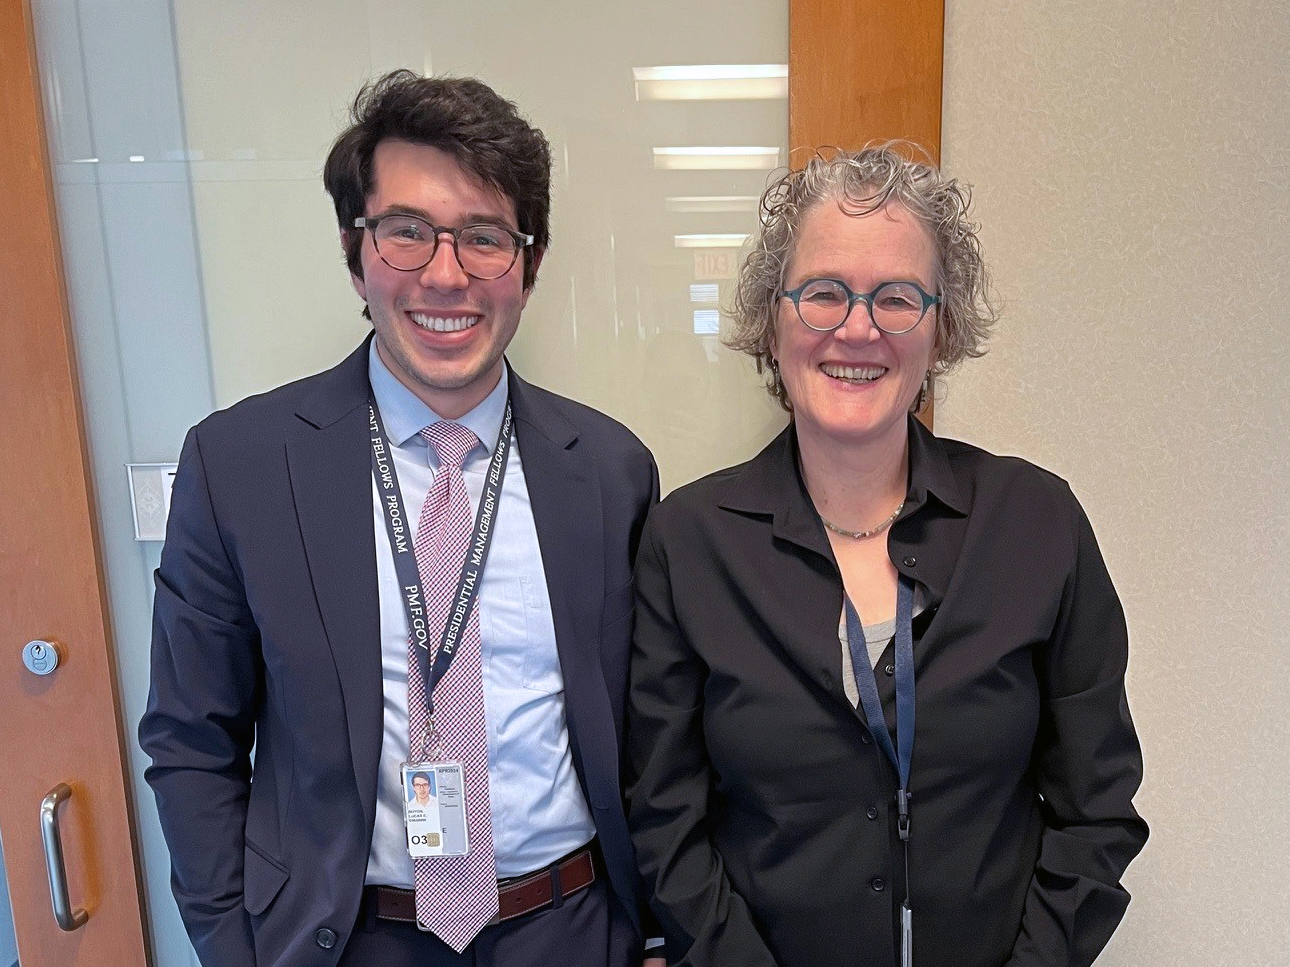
(451, 441)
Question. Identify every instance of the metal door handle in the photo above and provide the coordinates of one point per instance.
(51, 835)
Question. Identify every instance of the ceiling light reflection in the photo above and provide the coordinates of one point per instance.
(711, 82)
(711, 203)
(712, 240)
(747, 158)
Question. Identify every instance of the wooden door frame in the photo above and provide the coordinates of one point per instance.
(865, 70)
(64, 727)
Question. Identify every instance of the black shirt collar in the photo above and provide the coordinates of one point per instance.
(771, 485)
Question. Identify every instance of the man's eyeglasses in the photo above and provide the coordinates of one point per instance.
(894, 307)
(408, 243)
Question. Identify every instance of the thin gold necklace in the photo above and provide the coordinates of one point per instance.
(861, 535)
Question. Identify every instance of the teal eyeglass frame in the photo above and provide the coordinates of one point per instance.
(866, 297)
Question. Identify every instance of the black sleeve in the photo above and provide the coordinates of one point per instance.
(705, 922)
(1088, 765)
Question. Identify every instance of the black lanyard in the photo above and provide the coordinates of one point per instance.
(405, 565)
(901, 754)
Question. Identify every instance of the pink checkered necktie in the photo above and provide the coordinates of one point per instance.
(456, 895)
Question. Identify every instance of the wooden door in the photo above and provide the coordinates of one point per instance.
(63, 727)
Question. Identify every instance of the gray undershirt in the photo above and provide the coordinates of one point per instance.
(876, 638)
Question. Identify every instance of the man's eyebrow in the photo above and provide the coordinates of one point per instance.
(487, 218)
(397, 209)
(471, 218)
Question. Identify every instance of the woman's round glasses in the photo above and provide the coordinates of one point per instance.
(894, 307)
(408, 243)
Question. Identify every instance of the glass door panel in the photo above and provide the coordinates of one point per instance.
(187, 141)
(8, 943)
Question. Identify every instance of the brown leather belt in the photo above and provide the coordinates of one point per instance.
(515, 897)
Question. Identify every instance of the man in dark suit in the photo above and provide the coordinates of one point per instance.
(282, 612)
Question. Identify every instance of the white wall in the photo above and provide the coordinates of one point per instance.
(1131, 163)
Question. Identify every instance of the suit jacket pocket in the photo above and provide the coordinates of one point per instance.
(262, 880)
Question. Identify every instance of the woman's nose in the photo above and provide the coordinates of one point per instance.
(858, 327)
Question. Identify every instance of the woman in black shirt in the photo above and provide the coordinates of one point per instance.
(786, 607)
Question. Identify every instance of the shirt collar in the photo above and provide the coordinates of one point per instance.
(926, 537)
(930, 473)
(771, 482)
(404, 414)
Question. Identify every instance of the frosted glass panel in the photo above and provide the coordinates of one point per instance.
(177, 128)
(614, 321)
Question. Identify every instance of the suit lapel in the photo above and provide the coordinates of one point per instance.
(329, 462)
(564, 491)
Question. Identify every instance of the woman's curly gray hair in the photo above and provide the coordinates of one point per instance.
(864, 181)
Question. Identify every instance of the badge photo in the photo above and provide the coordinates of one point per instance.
(434, 813)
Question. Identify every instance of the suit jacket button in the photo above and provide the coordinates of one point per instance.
(872, 812)
(910, 561)
(864, 738)
(878, 884)
(325, 938)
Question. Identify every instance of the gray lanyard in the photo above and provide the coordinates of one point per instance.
(405, 566)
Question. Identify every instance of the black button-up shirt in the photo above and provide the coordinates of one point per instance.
(752, 777)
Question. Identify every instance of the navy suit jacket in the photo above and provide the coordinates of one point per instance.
(266, 634)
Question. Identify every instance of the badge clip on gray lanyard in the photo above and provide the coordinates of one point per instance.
(902, 754)
(405, 565)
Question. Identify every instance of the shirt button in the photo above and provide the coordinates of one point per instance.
(872, 812)
(910, 561)
(890, 670)
(325, 938)
(864, 738)
(878, 884)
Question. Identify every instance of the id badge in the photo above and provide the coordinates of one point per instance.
(434, 809)
(906, 935)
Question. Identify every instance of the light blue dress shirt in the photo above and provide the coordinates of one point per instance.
(539, 812)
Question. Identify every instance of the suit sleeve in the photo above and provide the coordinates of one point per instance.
(651, 929)
(1088, 765)
(199, 725)
(705, 923)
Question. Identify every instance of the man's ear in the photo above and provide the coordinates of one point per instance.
(536, 257)
(356, 280)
